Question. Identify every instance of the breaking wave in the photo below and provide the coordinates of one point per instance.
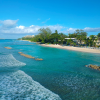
(16, 85)
(8, 61)
(19, 86)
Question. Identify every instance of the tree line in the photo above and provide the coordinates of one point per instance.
(46, 36)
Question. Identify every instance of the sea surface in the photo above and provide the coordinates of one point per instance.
(61, 75)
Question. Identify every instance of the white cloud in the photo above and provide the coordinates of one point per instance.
(46, 20)
(31, 29)
(88, 29)
(70, 30)
(55, 27)
(32, 25)
(8, 23)
(20, 27)
(10, 27)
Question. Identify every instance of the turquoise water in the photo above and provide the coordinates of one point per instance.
(62, 73)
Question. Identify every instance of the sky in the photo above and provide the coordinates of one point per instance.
(25, 17)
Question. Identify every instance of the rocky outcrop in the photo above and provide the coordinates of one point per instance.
(38, 59)
(8, 48)
(29, 56)
(93, 66)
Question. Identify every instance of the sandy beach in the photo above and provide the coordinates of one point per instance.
(72, 48)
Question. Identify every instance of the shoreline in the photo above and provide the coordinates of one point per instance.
(72, 48)
(26, 40)
(69, 48)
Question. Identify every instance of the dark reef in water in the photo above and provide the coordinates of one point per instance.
(93, 67)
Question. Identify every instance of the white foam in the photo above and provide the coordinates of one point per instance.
(10, 62)
(19, 86)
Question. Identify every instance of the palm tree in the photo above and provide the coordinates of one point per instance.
(81, 35)
(92, 37)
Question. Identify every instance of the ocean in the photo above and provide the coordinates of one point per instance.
(61, 75)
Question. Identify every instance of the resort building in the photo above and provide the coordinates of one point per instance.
(75, 40)
(28, 36)
(97, 42)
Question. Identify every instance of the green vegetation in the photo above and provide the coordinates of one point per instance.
(46, 36)
(78, 38)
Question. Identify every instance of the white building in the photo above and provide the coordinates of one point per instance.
(97, 42)
(28, 36)
(75, 40)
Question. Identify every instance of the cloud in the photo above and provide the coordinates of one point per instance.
(31, 29)
(11, 27)
(70, 30)
(55, 27)
(20, 27)
(8, 23)
(46, 20)
(88, 29)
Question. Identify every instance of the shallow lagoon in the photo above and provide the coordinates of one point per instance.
(62, 71)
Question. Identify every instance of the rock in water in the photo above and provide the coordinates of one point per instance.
(8, 47)
(93, 66)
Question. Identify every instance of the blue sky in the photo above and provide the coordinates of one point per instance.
(24, 17)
